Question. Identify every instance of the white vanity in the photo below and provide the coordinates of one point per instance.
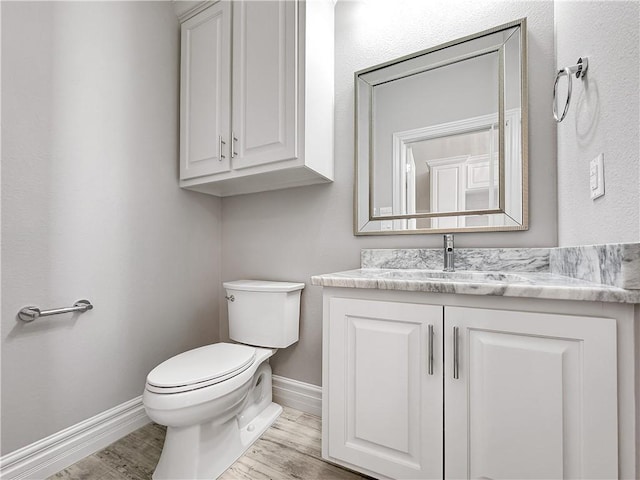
(523, 364)
(516, 374)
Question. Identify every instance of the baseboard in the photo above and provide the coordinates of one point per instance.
(56, 452)
(299, 395)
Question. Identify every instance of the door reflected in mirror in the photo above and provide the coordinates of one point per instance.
(450, 174)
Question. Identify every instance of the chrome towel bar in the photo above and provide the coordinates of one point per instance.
(580, 70)
(30, 313)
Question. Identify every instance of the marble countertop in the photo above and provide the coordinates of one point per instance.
(499, 283)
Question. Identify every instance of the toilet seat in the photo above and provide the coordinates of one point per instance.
(200, 367)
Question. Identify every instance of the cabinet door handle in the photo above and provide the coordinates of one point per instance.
(430, 352)
(220, 144)
(233, 145)
(456, 366)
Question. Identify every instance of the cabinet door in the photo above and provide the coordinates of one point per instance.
(265, 74)
(536, 396)
(385, 404)
(205, 92)
(448, 193)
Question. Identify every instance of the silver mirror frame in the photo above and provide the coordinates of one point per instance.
(366, 188)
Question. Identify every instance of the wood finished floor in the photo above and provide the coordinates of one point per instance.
(290, 449)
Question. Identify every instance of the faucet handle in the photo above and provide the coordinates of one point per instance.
(448, 242)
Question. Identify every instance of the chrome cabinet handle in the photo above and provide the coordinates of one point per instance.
(233, 145)
(220, 144)
(456, 366)
(430, 353)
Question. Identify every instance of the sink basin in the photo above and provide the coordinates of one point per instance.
(452, 276)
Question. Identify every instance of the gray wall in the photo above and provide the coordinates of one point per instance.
(603, 118)
(293, 234)
(91, 209)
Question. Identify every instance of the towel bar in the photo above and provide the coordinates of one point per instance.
(30, 313)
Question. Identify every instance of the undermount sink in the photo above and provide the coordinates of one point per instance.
(452, 276)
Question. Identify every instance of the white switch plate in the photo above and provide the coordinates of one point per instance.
(596, 176)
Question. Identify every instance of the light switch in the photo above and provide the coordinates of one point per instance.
(596, 176)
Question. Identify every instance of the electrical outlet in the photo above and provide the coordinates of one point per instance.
(596, 176)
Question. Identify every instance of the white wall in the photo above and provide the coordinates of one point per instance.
(91, 209)
(603, 118)
(293, 234)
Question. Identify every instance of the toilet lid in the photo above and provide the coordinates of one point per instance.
(200, 368)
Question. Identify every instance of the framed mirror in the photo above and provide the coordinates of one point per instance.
(441, 138)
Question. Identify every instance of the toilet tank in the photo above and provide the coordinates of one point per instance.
(262, 313)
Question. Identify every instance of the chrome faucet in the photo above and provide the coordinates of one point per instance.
(448, 253)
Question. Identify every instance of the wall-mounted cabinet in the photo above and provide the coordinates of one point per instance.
(416, 390)
(256, 96)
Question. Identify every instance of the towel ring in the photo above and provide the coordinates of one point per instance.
(580, 70)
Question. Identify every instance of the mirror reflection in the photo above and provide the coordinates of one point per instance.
(439, 138)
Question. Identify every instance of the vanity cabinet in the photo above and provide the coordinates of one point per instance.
(256, 99)
(416, 390)
(385, 387)
(534, 395)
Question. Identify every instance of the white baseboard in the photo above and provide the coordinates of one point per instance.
(299, 395)
(56, 452)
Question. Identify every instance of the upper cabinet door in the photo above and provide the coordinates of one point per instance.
(535, 396)
(265, 83)
(384, 389)
(205, 92)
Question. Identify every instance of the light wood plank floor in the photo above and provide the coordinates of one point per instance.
(289, 450)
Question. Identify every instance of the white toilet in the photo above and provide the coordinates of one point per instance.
(216, 400)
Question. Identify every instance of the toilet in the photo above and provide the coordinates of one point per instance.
(216, 400)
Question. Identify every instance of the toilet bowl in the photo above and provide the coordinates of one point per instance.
(216, 400)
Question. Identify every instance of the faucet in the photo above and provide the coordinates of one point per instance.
(448, 253)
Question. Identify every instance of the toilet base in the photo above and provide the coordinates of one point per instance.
(215, 450)
(255, 429)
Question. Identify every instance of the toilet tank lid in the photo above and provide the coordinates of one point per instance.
(263, 286)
